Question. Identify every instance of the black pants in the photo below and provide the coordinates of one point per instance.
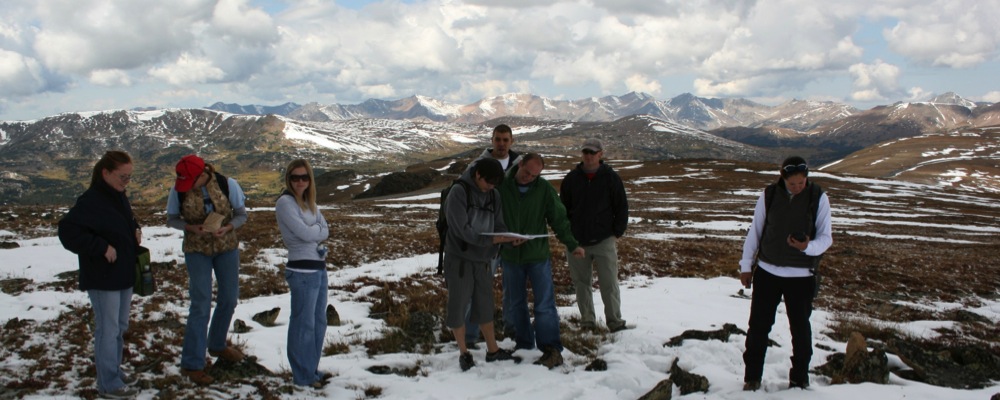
(767, 293)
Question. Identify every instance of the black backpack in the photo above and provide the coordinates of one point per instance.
(442, 221)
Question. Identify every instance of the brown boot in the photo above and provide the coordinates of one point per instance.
(229, 354)
(197, 376)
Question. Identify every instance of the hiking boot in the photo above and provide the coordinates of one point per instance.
(551, 358)
(229, 354)
(123, 392)
(502, 355)
(751, 386)
(197, 376)
(465, 361)
(797, 379)
(618, 328)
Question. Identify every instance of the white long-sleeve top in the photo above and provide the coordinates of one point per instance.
(816, 246)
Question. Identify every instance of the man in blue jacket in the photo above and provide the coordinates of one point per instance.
(595, 201)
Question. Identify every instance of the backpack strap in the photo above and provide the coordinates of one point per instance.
(223, 183)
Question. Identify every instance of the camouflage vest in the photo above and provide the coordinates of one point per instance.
(193, 212)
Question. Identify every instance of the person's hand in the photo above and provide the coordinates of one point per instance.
(196, 229)
(138, 236)
(498, 239)
(746, 278)
(223, 230)
(800, 246)
(579, 252)
(518, 242)
(110, 254)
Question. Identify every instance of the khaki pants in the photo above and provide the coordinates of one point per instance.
(605, 255)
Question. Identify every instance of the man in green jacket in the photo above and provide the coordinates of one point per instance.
(531, 203)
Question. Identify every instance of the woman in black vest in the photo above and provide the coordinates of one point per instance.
(789, 233)
(103, 232)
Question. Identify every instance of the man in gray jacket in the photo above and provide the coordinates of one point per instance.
(473, 209)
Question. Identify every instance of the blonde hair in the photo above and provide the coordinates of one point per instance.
(308, 199)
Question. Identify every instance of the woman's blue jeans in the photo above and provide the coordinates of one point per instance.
(198, 334)
(111, 312)
(545, 330)
(307, 324)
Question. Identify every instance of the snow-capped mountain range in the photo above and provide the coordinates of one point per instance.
(47, 160)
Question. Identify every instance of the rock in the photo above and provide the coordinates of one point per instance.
(687, 382)
(969, 316)
(721, 334)
(14, 286)
(267, 318)
(241, 327)
(597, 365)
(862, 366)
(332, 316)
(401, 182)
(662, 391)
(959, 367)
(9, 245)
(995, 397)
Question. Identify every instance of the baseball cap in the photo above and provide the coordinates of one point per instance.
(593, 145)
(188, 170)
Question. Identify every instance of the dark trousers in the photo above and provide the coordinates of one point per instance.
(767, 293)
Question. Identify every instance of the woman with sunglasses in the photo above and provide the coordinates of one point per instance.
(103, 232)
(789, 233)
(303, 229)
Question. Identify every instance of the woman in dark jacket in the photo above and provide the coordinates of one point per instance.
(103, 232)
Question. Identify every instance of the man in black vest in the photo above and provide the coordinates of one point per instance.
(789, 233)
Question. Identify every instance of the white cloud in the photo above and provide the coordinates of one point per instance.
(874, 82)
(992, 97)
(19, 75)
(110, 77)
(188, 70)
(641, 83)
(946, 33)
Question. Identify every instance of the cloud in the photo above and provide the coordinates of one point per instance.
(110, 77)
(19, 75)
(992, 97)
(188, 70)
(874, 82)
(956, 33)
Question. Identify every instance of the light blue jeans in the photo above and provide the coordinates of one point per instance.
(307, 324)
(545, 330)
(198, 334)
(111, 311)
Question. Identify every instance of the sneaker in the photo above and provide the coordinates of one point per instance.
(197, 376)
(551, 358)
(229, 354)
(751, 386)
(123, 392)
(502, 355)
(129, 380)
(465, 361)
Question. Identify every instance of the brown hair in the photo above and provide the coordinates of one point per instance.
(111, 160)
(308, 199)
(532, 156)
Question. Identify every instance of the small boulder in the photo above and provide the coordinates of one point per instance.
(662, 391)
(241, 327)
(332, 316)
(597, 365)
(268, 317)
(687, 382)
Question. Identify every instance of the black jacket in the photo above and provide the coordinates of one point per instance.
(596, 208)
(102, 216)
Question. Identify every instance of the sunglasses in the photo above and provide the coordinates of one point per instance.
(795, 168)
(299, 178)
(589, 152)
(125, 177)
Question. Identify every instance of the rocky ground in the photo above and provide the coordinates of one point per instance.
(896, 247)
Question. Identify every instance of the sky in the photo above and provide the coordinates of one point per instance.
(86, 55)
(657, 309)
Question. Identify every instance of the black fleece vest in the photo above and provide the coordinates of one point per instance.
(787, 215)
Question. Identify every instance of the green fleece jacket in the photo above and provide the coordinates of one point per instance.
(528, 214)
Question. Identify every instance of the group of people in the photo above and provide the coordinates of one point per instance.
(209, 207)
(498, 215)
(503, 192)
